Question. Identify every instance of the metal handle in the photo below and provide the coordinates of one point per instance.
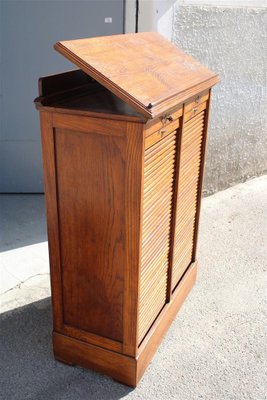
(167, 117)
(197, 99)
(161, 132)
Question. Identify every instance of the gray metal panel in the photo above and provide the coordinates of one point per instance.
(28, 30)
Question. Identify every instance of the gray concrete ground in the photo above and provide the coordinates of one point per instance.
(215, 348)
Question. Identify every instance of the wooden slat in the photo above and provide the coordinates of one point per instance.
(188, 129)
(161, 162)
(159, 177)
(166, 317)
(189, 172)
(161, 149)
(161, 202)
(159, 168)
(149, 274)
(194, 121)
(159, 244)
(158, 273)
(150, 248)
(154, 196)
(163, 213)
(154, 190)
(161, 224)
(153, 257)
(201, 176)
(153, 305)
(190, 141)
(154, 294)
(162, 190)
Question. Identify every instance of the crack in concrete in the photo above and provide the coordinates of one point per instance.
(22, 282)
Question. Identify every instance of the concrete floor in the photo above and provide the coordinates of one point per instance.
(214, 350)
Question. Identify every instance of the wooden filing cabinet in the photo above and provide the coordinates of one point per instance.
(123, 142)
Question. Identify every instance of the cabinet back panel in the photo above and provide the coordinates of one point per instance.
(91, 203)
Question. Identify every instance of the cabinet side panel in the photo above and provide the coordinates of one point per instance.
(91, 195)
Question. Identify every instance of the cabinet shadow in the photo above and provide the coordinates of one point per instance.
(29, 370)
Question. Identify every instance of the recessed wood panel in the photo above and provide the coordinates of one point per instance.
(91, 200)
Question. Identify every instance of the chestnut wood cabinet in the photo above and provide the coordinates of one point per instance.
(123, 142)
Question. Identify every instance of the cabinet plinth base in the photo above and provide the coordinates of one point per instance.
(125, 369)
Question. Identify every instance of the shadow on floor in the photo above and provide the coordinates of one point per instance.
(22, 219)
(28, 369)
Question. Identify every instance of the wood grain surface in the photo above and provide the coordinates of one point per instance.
(159, 169)
(91, 195)
(123, 153)
(190, 161)
(145, 70)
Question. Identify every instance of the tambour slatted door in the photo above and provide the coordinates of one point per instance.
(191, 148)
(159, 168)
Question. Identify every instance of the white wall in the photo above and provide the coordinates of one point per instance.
(230, 40)
(154, 15)
(157, 15)
(228, 3)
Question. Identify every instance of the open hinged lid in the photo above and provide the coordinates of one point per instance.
(143, 69)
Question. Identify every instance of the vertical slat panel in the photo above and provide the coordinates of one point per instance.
(190, 166)
(201, 174)
(159, 169)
